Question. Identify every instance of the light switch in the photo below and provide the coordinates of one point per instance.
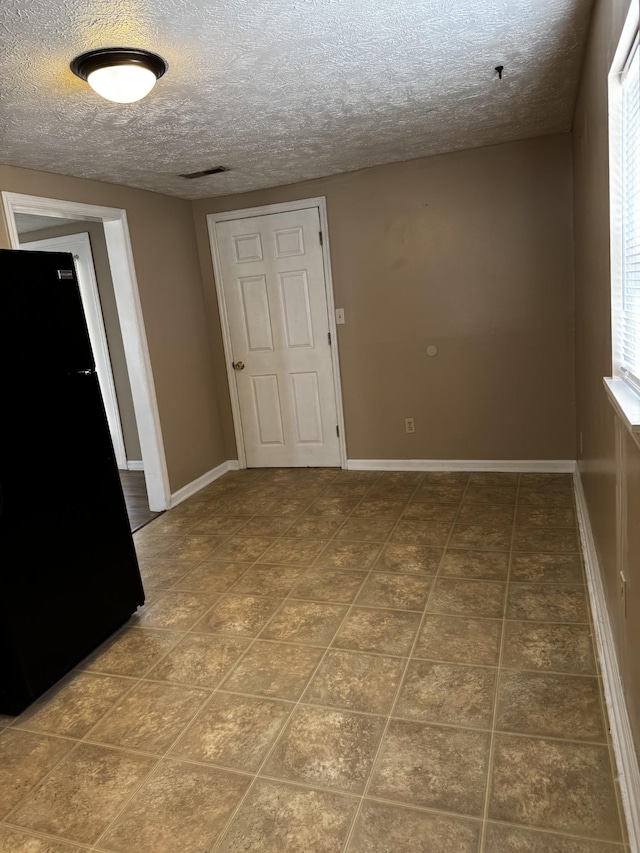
(339, 316)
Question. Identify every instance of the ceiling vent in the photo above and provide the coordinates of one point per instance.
(215, 171)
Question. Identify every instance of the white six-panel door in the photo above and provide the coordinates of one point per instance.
(273, 287)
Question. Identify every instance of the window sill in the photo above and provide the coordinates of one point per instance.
(625, 402)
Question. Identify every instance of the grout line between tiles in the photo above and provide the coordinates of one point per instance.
(148, 678)
(555, 833)
(490, 760)
(43, 835)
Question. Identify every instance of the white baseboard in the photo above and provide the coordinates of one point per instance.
(195, 486)
(135, 465)
(621, 734)
(550, 466)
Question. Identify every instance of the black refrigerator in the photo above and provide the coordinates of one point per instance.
(68, 570)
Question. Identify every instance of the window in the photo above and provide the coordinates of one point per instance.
(627, 322)
(623, 387)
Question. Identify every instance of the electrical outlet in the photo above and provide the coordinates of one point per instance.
(623, 594)
(409, 425)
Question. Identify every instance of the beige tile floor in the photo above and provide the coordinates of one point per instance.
(334, 661)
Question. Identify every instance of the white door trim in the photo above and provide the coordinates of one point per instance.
(80, 246)
(125, 285)
(320, 204)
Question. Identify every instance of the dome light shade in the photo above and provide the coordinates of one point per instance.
(123, 84)
(120, 74)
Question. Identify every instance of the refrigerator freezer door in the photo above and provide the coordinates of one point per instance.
(68, 570)
(40, 292)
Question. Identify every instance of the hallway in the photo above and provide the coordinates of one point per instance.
(134, 490)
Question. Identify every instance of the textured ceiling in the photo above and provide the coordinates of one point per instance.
(281, 91)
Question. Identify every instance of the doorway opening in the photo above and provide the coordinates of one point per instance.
(98, 238)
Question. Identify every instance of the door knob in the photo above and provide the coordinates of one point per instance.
(238, 365)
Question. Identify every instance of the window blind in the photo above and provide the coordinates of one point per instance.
(629, 327)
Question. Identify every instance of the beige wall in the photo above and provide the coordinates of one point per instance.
(471, 252)
(595, 418)
(170, 284)
(111, 322)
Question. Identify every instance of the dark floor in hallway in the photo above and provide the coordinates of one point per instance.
(135, 495)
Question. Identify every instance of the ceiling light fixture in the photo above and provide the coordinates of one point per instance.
(120, 74)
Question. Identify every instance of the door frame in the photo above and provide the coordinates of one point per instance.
(80, 247)
(134, 338)
(320, 204)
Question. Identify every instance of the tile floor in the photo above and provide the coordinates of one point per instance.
(334, 661)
